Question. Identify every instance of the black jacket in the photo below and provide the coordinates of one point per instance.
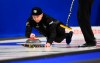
(48, 26)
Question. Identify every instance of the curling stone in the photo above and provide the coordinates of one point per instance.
(33, 42)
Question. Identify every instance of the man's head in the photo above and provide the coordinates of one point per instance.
(37, 14)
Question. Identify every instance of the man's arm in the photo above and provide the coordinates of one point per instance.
(52, 34)
(28, 29)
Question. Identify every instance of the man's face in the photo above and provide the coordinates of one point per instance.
(37, 18)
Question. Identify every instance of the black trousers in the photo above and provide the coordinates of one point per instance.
(60, 34)
(84, 13)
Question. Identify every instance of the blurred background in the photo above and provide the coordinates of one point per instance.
(14, 14)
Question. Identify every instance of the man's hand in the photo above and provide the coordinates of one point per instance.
(47, 45)
(32, 36)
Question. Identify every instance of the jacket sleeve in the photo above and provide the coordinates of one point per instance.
(28, 29)
(52, 33)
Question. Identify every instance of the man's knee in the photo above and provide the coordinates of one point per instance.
(59, 40)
